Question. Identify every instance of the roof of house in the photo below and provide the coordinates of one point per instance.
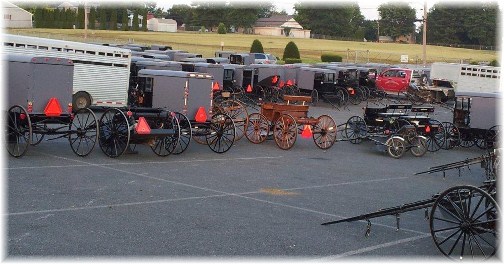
(165, 21)
(11, 5)
(273, 21)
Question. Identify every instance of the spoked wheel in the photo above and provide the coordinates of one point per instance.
(452, 136)
(324, 132)
(418, 146)
(395, 147)
(463, 223)
(185, 133)
(83, 132)
(222, 133)
(164, 146)
(257, 129)
(435, 135)
(36, 138)
(354, 97)
(467, 140)
(199, 133)
(341, 97)
(238, 113)
(355, 129)
(285, 131)
(113, 133)
(315, 97)
(19, 131)
(492, 137)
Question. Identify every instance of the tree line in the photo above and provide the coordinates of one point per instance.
(447, 23)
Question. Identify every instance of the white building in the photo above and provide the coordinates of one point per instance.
(161, 24)
(16, 17)
(280, 25)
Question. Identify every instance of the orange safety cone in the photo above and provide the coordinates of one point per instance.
(201, 115)
(249, 89)
(307, 132)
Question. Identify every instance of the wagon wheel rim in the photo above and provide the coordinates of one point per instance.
(285, 131)
(463, 220)
(221, 134)
(164, 146)
(467, 140)
(315, 97)
(325, 132)
(395, 147)
(492, 137)
(452, 136)
(355, 129)
(257, 129)
(82, 132)
(19, 131)
(113, 133)
(419, 146)
(185, 133)
(239, 114)
(36, 138)
(436, 137)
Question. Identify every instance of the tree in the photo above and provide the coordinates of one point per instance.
(344, 18)
(221, 29)
(144, 20)
(113, 19)
(135, 25)
(80, 17)
(256, 47)
(124, 19)
(92, 18)
(397, 19)
(291, 51)
(183, 14)
(102, 17)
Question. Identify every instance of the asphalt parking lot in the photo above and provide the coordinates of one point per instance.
(252, 201)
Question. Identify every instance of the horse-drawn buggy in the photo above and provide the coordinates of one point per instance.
(319, 83)
(475, 121)
(40, 99)
(347, 80)
(286, 120)
(386, 126)
(189, 95)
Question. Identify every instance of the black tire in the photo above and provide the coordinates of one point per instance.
(18, 131)
(452, 136)
(463, 220)
(185, 133)
(165, 146)
(113, 132)
(315, 97)
(355, 129)
(418, 146)
(81, 100)
(83, 132)
(395, 147)
(492, 137)
(436, 136)
(222, 133)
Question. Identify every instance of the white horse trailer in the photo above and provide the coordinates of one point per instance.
(101, 73)
(467, 78)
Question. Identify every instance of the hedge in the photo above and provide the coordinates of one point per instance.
(331, 58)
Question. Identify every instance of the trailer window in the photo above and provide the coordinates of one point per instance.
(20, 45)
(125, 56)
(79, 51)
(110, 54)
(91, 52)
(43, 47)
(8, 44)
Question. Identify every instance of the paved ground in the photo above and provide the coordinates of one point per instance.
(253, 201)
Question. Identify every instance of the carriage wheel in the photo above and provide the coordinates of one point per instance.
(315, 97)
(355, 99)
(237, 112)
(222, 133)
(436, 136)
(419, 146)
(467, 140)
(285, 131)
(82, 132)
(355, 129)
(185, 133)
(365, 93)
(19, 131)
(463, 220)
(113, 133)
(492, 137)
(341, 97)
(165, 146)
(258, 128)
(452, 136)
(324, 132)
(199, 134)
(398, 124)
(36, 138)
(395, 147)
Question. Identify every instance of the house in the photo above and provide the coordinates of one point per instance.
(280, 25)
(161, 24)
(410, 39)
(68, 5)
(16, 17)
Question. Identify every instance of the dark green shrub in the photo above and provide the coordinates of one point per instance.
(494, 63)
(256, 47)
(331, 58)
(292, 60)
(291, 51)
(221, 29)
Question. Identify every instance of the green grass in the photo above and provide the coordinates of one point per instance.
(310, 49)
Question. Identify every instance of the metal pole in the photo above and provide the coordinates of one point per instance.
(378, 37)
(424, 37)
(86, 10)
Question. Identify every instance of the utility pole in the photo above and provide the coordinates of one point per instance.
(378, 26)
(86, 12)
(424, 37)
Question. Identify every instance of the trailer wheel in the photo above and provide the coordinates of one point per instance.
(257, 129)
(19, 131)
(82, 132)
(395, 147)
(114, 132)
(324, 132)
(81, 100)
(355, 129)
(185, 133)
(463, 221)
